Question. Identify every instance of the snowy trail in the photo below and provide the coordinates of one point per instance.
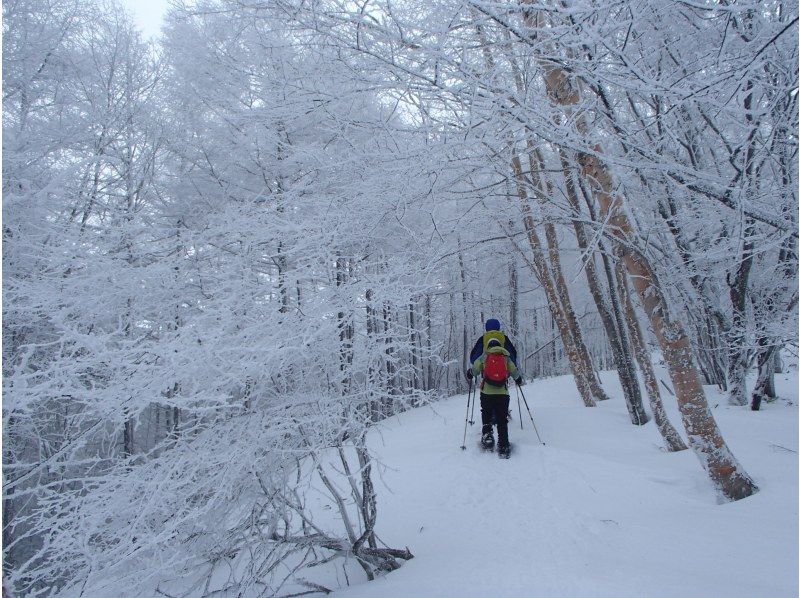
(600, 511)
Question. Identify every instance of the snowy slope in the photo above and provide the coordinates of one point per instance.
(600, 511)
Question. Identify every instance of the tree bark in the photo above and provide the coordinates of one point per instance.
(704, 436)
(612, 322)
(428, 334)
(464, 335)
(672, 439)
(415, 346)
(764, 389)
(513, 307)
(344, 326)
(569, 315)
(542, 272)
(737, 338)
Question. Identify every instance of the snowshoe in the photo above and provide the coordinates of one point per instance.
(487, 442)
(504, 452)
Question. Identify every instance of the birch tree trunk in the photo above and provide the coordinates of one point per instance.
(570, 319)
(672, 439)
(548, 271)
(544, 275)
(705, 438)
(614, 326)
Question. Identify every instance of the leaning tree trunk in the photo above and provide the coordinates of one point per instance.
(612, 322)
(569, 315)
(542, 272)
(581, 368)
(543, 190)
(705, 438)
(672, 439)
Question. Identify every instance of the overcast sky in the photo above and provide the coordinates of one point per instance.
(148, 14)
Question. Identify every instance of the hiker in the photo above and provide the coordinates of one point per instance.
(492, 331)
(496, 366)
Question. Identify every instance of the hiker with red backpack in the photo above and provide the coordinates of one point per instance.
(496, 366)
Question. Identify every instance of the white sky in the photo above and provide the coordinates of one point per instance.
(148, 14)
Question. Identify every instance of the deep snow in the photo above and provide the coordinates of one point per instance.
(601, 510)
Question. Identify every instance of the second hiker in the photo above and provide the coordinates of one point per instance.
(496, 366)
(492, 331)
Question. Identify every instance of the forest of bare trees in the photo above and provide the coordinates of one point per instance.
(227, 254)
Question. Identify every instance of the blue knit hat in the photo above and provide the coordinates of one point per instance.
(492, 324)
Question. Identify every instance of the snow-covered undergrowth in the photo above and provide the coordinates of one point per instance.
(601, 510)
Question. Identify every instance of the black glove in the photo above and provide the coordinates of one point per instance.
(519, 381)
(469, 374)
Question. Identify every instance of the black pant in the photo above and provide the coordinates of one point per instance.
(494, 408)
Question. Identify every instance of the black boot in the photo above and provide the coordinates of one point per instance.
(504, 451)
(487, 441)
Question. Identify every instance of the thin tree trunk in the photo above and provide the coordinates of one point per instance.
(465, 348)
(428, 335)
(635, 404)
(737, 338)
(391, 382)
(281, 262)
(623, 360)
(705, 438)
(672, 439)
(544, 275)
(764, 389)
(513, 307)
(372, 329)
(344, 328)
(569, 315)
(415, 346)
(127, 438)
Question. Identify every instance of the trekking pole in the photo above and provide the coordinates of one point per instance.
(519, 390)
(472, 417)
(519, 410)
(466, 418)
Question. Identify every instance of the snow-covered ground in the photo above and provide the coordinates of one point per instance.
(601, 510)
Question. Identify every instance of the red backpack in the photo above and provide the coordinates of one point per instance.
(495, 371)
